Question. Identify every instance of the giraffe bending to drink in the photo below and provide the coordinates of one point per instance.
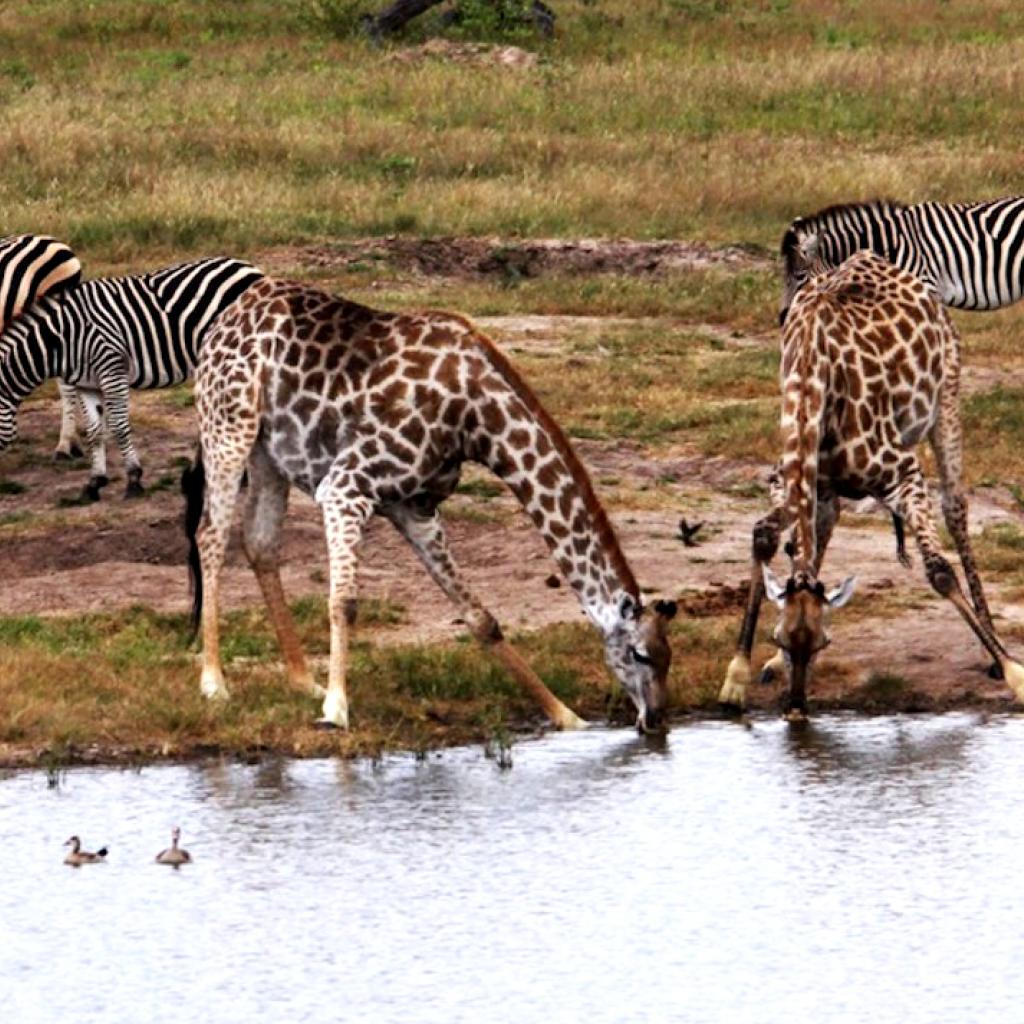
(870, 367)
(373, 413)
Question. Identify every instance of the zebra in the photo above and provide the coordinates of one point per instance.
(108, 335)
(972, 254)
(32, 266)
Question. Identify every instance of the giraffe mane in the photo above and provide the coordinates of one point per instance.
(602, 525)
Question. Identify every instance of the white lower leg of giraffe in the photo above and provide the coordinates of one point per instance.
(737, 679)
(774, 669)
(344, 518)
(211, 683)
(1013, 673)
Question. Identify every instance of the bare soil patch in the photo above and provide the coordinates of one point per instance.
(504, 259)
(897, 646)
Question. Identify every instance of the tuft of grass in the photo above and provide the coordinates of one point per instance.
(884, 687)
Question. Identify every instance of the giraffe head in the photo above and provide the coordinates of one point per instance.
(801, 631)
(638, 653)
(800, 251)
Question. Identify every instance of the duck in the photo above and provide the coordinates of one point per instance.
(174, 855)
(77, 857)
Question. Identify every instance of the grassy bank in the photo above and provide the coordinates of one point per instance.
(139, 130)
(125, 687)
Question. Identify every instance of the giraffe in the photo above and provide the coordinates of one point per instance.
(373, 413)
(870, 367)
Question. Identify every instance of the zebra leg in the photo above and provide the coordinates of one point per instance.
(423, 529)
(265, 507)
(89, 408)
(67, 446)
(345, 514)
(115, 396)
(912, 502)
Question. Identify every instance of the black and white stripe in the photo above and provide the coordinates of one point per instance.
(108, 335)
(32, 266)
(971, 253)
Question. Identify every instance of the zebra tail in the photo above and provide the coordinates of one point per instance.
(193, 487)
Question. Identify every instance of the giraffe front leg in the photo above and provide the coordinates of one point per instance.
(733, 694)
(68, 446)
(912, 502)
(424, 531)
(345, 515)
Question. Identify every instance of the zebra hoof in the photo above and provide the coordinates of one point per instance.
(59, 456)
(93, 488)
(134, 490)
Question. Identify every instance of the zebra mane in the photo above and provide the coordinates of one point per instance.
(801, 226)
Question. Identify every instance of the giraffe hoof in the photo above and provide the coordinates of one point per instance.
(995, 671)
(730, 710)
(326, 725)
(796, 716)
(59, 456)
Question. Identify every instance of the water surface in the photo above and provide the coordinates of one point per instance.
(855, 870)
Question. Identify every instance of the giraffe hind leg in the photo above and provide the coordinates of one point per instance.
(263, 514)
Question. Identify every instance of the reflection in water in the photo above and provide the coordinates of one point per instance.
(845, 871)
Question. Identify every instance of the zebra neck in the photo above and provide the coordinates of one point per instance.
(32, 349)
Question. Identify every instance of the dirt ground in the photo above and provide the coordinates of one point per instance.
(67, 559)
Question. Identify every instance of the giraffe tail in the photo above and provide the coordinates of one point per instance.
(193, 487)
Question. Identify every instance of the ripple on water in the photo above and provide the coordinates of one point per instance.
(856, 869)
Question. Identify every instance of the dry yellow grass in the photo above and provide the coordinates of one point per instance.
(143, 130)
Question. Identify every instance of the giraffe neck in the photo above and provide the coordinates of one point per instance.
(805, 385)
(535, 459)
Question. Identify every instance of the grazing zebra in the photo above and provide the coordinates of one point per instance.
(971, 253)
(32, 266)
(111, 334)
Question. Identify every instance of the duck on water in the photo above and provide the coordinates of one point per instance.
(77, 856)
(174, 855)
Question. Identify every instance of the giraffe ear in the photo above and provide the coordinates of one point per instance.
(840, 595)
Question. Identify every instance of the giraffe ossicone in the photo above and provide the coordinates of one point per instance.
(373, 414)
(870, 368)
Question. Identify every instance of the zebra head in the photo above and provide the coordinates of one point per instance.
(800, 253)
